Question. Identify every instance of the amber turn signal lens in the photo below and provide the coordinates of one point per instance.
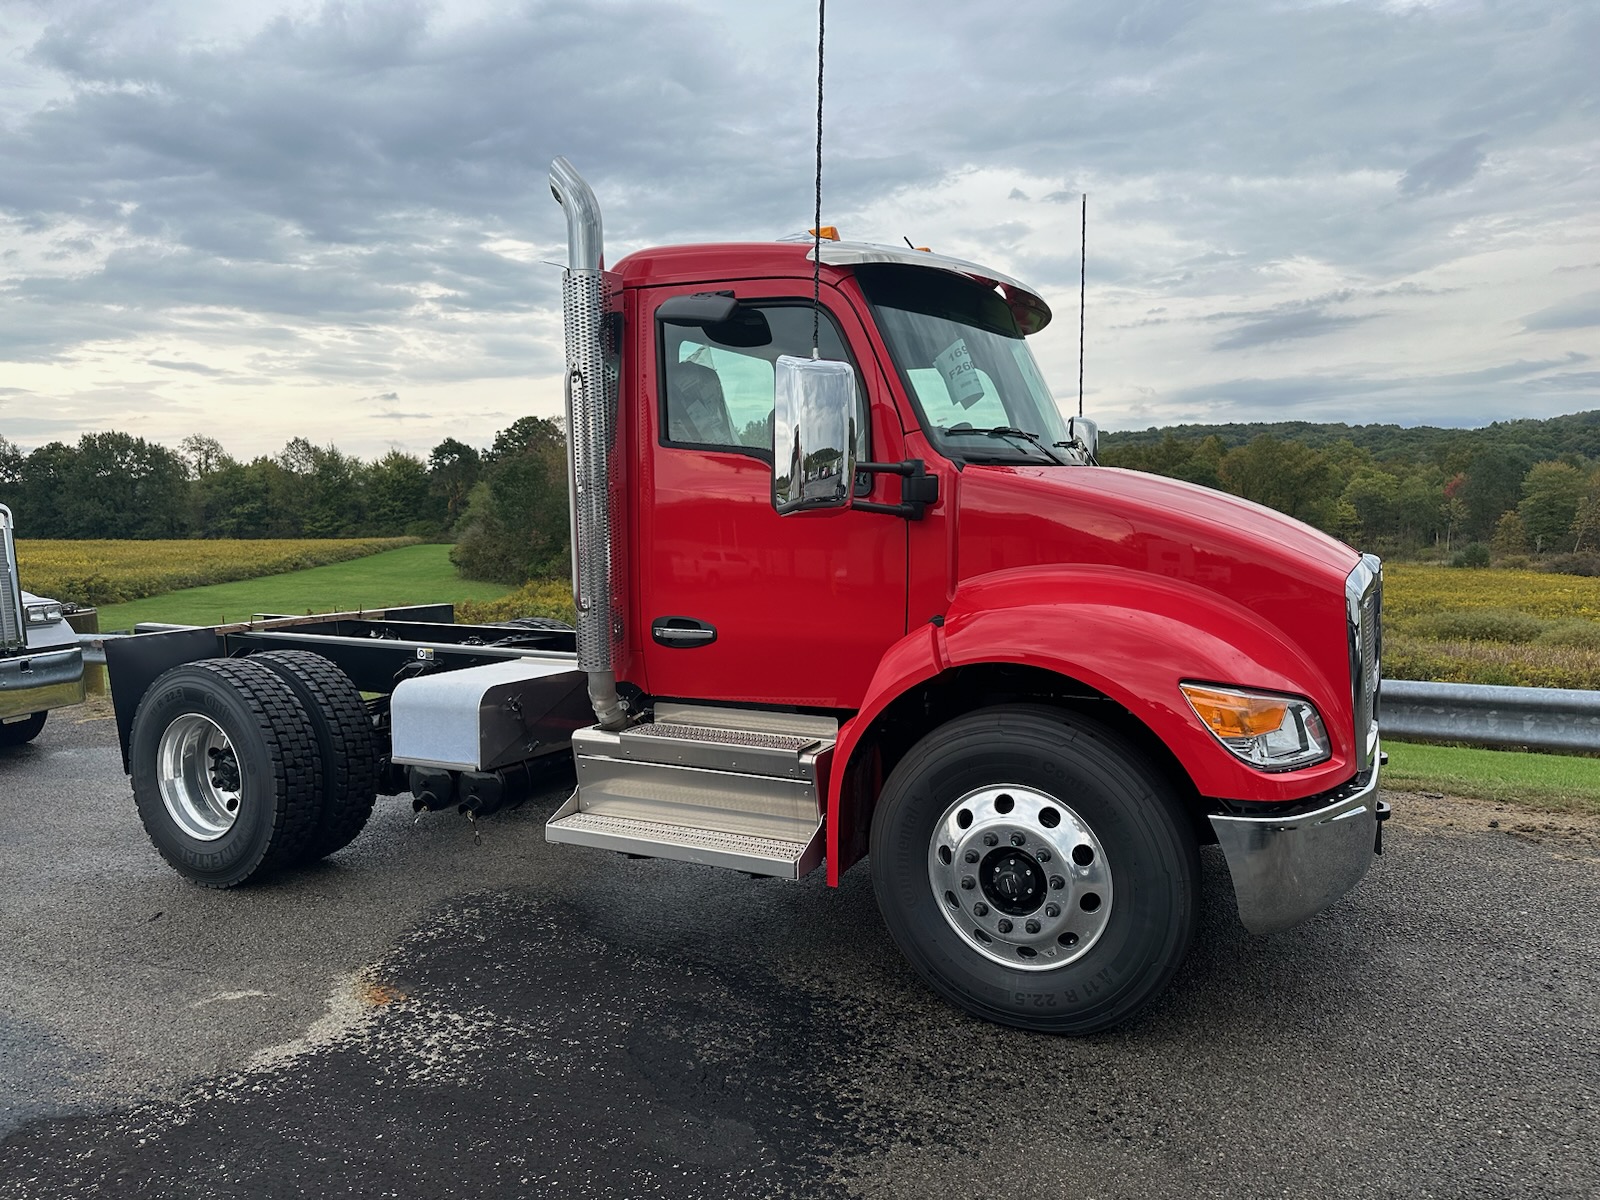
(1236, 714)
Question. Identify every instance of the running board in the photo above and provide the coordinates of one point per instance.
(725, 787)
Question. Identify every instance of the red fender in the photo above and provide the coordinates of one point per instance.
(1132, 636)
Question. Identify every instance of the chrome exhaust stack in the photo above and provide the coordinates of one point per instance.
(591, 396)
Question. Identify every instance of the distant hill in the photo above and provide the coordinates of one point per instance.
(1574, 433)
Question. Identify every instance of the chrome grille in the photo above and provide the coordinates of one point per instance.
(1364, 595)
(12, 634)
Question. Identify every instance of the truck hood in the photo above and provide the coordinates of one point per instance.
(1282, 569)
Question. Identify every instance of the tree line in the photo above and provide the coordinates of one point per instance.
(504, 506)
(1516, 492)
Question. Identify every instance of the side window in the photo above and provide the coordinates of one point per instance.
(716, 391)
(717, 396)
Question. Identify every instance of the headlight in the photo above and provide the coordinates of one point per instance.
(44, 614)
(1275, 733)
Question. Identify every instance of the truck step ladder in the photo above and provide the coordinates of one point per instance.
(726, 787)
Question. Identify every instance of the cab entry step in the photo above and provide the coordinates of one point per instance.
(732, 788)
(712, 847)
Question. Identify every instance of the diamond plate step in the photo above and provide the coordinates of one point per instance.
(777, 755)
(712, 847)
(722, 737)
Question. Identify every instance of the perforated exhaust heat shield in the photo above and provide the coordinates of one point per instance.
(591, 391)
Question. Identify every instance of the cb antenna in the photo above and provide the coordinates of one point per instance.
(1083, 275)
(816, 222)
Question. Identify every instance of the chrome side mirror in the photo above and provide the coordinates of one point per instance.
(813, 444)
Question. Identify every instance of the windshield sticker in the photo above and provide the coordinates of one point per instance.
(955, 364)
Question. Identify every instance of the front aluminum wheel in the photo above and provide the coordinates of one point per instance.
(198, 772)
(1021, 877)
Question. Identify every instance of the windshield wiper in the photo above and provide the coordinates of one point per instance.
(1001, 431)
(1078, 447)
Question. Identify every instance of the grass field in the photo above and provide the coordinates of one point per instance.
(1546, 782)
(112, 572)
(410, 575)
(1522, 628)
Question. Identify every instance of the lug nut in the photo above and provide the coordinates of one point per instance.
(1004, 926)
(981, 909)
(968, 883)
(1032, 926)
(1043, 856)
(1057, 883)
(971, 856)
(990, 839)
(1052, 910)
(1017, 839)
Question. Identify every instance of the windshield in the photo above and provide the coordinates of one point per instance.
(980, 392)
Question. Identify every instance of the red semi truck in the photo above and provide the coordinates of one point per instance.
(907, 620)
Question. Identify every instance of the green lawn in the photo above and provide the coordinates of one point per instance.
(1548, 782)
(411, 575)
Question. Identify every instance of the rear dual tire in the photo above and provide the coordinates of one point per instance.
(227, 776)
(345, 742)
(245, 766)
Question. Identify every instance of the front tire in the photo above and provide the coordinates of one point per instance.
(226, 774)
(1034, 870)
(16, 733)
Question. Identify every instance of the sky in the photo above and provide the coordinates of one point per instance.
(331, 220)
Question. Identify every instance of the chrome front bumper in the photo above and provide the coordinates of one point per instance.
(1287, 867)
(32, 683)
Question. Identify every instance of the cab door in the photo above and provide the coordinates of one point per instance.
(737, 603)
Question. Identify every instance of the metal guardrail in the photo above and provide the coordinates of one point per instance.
(1553, 720)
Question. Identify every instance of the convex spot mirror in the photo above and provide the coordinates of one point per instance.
(723, 318)
(813, 439)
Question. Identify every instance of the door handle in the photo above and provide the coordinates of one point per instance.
(682, 633)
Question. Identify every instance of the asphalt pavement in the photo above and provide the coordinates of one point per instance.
(427, 1016)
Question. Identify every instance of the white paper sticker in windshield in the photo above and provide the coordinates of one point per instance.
(960, 376)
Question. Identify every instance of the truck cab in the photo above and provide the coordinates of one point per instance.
(41, 665)
(918, 623)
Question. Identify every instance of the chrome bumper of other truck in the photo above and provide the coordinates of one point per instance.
(32, 683)
(1290, 866)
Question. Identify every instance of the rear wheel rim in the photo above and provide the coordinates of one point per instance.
(1021, 877)
(198, 772)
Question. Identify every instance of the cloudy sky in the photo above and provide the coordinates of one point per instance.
(263, 220)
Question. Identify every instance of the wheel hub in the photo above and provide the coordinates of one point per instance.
(1012, 880)
(1021, 877)
(198, 773)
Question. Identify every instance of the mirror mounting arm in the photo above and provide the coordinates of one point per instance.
(918, 489)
